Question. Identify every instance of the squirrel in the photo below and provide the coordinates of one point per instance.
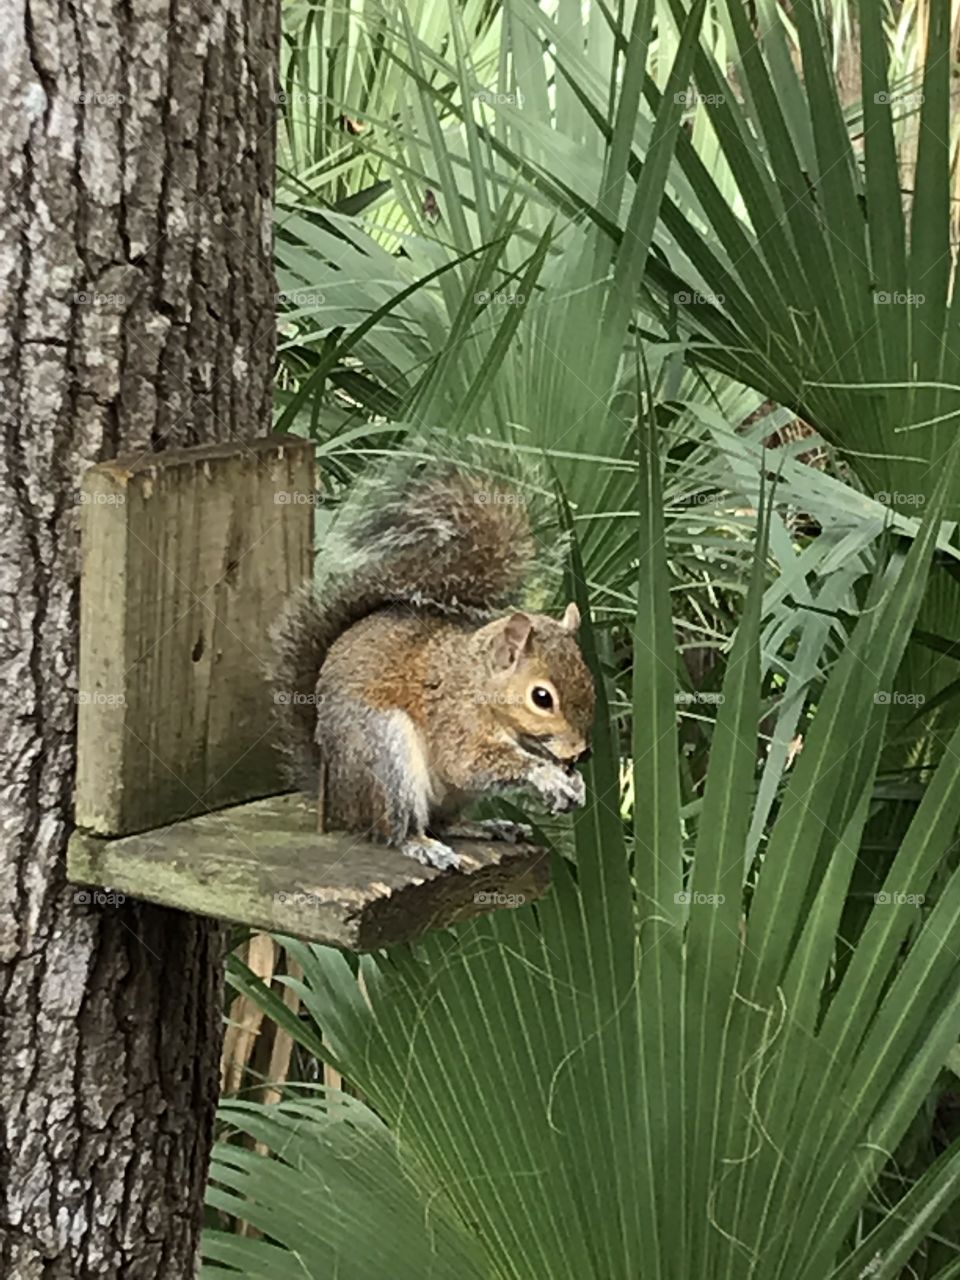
(416, 679)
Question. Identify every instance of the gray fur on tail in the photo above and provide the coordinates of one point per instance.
(440, 536)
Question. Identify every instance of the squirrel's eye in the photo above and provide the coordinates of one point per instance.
(541, 697)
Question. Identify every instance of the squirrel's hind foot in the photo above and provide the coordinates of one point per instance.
(431, 853)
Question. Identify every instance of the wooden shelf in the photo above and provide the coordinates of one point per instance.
(264, 864)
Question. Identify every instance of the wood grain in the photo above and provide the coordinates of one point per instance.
(265, 865)
(188, 557)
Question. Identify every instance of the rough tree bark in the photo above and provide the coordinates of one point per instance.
(137, 299)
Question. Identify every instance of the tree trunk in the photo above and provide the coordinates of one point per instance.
(137, 298)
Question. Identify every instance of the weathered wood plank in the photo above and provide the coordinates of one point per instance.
(187, 559)
(265, 865)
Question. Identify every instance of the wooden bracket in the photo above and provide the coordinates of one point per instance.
(188, 558)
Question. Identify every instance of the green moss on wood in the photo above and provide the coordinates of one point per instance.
(264, 864)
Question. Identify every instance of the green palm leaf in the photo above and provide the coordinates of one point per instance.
(575, 1087)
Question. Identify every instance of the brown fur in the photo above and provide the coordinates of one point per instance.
(470, 712)
(411, 680)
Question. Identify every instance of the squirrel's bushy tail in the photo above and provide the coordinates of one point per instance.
(441, 535)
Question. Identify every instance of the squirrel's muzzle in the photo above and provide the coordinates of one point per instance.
(541, 748)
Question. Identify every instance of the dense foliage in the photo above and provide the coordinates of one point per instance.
(676, 249)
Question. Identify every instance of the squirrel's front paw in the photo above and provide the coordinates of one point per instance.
(505, 829)
(559, 790)
(431, 853)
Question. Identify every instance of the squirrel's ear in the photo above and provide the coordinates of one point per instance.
(512, 640)
(571, 618)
